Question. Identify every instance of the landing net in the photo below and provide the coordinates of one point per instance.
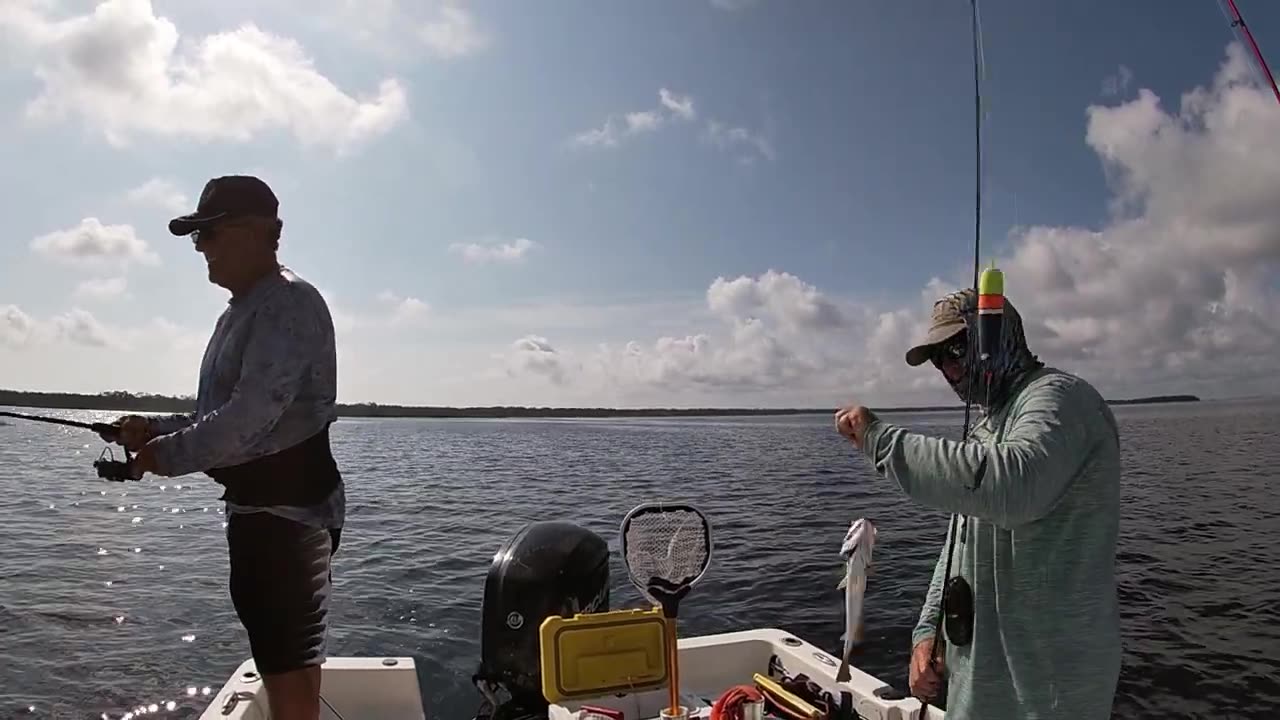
(665, 547)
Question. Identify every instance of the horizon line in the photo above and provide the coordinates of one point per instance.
(128, 400)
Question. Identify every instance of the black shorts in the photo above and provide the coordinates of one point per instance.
(280, 587)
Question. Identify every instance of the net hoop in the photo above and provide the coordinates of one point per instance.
(639, 512)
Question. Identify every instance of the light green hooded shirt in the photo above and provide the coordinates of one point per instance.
(1038, 547)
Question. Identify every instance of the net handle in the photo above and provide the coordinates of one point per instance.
(673, 593)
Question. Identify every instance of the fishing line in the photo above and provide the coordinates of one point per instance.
(972, 340)
(331, 708)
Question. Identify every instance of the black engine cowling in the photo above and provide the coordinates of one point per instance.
(548, 568)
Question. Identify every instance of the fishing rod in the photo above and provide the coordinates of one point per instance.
(108, 467)
(989, 296)
(1237, 20)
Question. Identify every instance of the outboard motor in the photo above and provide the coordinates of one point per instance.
(548, 568)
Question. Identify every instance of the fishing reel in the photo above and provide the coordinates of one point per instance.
(111, 469)
(108, 467)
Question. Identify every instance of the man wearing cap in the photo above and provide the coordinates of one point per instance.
(267, 395)
(1031, 611)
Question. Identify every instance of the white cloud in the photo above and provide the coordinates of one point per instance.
(453, 33)
(1177, 292)
(1117, 83)
(410, 311)
(92, 244)
(779, 340)
(680, 105)
(1182, 280)
(623, 125)
(100, 289)
(82, 328)
(398, 32)
(51, 353)
(792, 302)
(642, 122)
(16, 327)
(344, 322)
(405, 311)
(378, 327)
(570, 319)
(674, 108)
(76, 327)
(507, 252)
(160, 193)
(121, 70)
(728, 137)
(533, 354)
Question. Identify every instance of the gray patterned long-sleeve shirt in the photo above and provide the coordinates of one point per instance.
(1038, 547)
(267, 382)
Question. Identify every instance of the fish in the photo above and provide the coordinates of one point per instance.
(856, 549)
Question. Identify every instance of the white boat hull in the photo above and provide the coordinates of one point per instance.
(359, 688)
(387, 688)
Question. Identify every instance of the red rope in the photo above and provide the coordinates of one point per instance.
(729, 705)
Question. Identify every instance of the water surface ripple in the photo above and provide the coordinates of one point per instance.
(114, 596)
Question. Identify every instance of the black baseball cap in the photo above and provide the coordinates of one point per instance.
(225, 197)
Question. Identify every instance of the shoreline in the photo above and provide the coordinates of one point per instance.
(131, 402)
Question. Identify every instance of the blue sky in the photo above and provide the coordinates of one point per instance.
(831, 143)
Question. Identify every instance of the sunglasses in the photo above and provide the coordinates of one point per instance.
(954, 349)
(214, 231)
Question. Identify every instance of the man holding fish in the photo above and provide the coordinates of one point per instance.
(1024, 589)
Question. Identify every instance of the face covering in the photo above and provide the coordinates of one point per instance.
(1012, 360)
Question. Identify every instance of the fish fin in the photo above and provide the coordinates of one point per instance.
(844, 582)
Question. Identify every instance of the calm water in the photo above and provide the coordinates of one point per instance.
(114, 596)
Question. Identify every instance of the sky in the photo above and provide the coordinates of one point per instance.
(745, 203)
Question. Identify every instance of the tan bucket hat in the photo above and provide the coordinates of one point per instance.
(947, 320)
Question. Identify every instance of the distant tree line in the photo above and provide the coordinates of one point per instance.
(147, 402)
(108, 400)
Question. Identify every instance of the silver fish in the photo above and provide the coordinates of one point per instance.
(856, 550)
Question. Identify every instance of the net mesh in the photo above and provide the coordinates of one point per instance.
(669, 544)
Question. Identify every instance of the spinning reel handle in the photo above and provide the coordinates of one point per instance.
(114, 470)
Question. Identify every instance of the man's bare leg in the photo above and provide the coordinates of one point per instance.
(294, 695)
